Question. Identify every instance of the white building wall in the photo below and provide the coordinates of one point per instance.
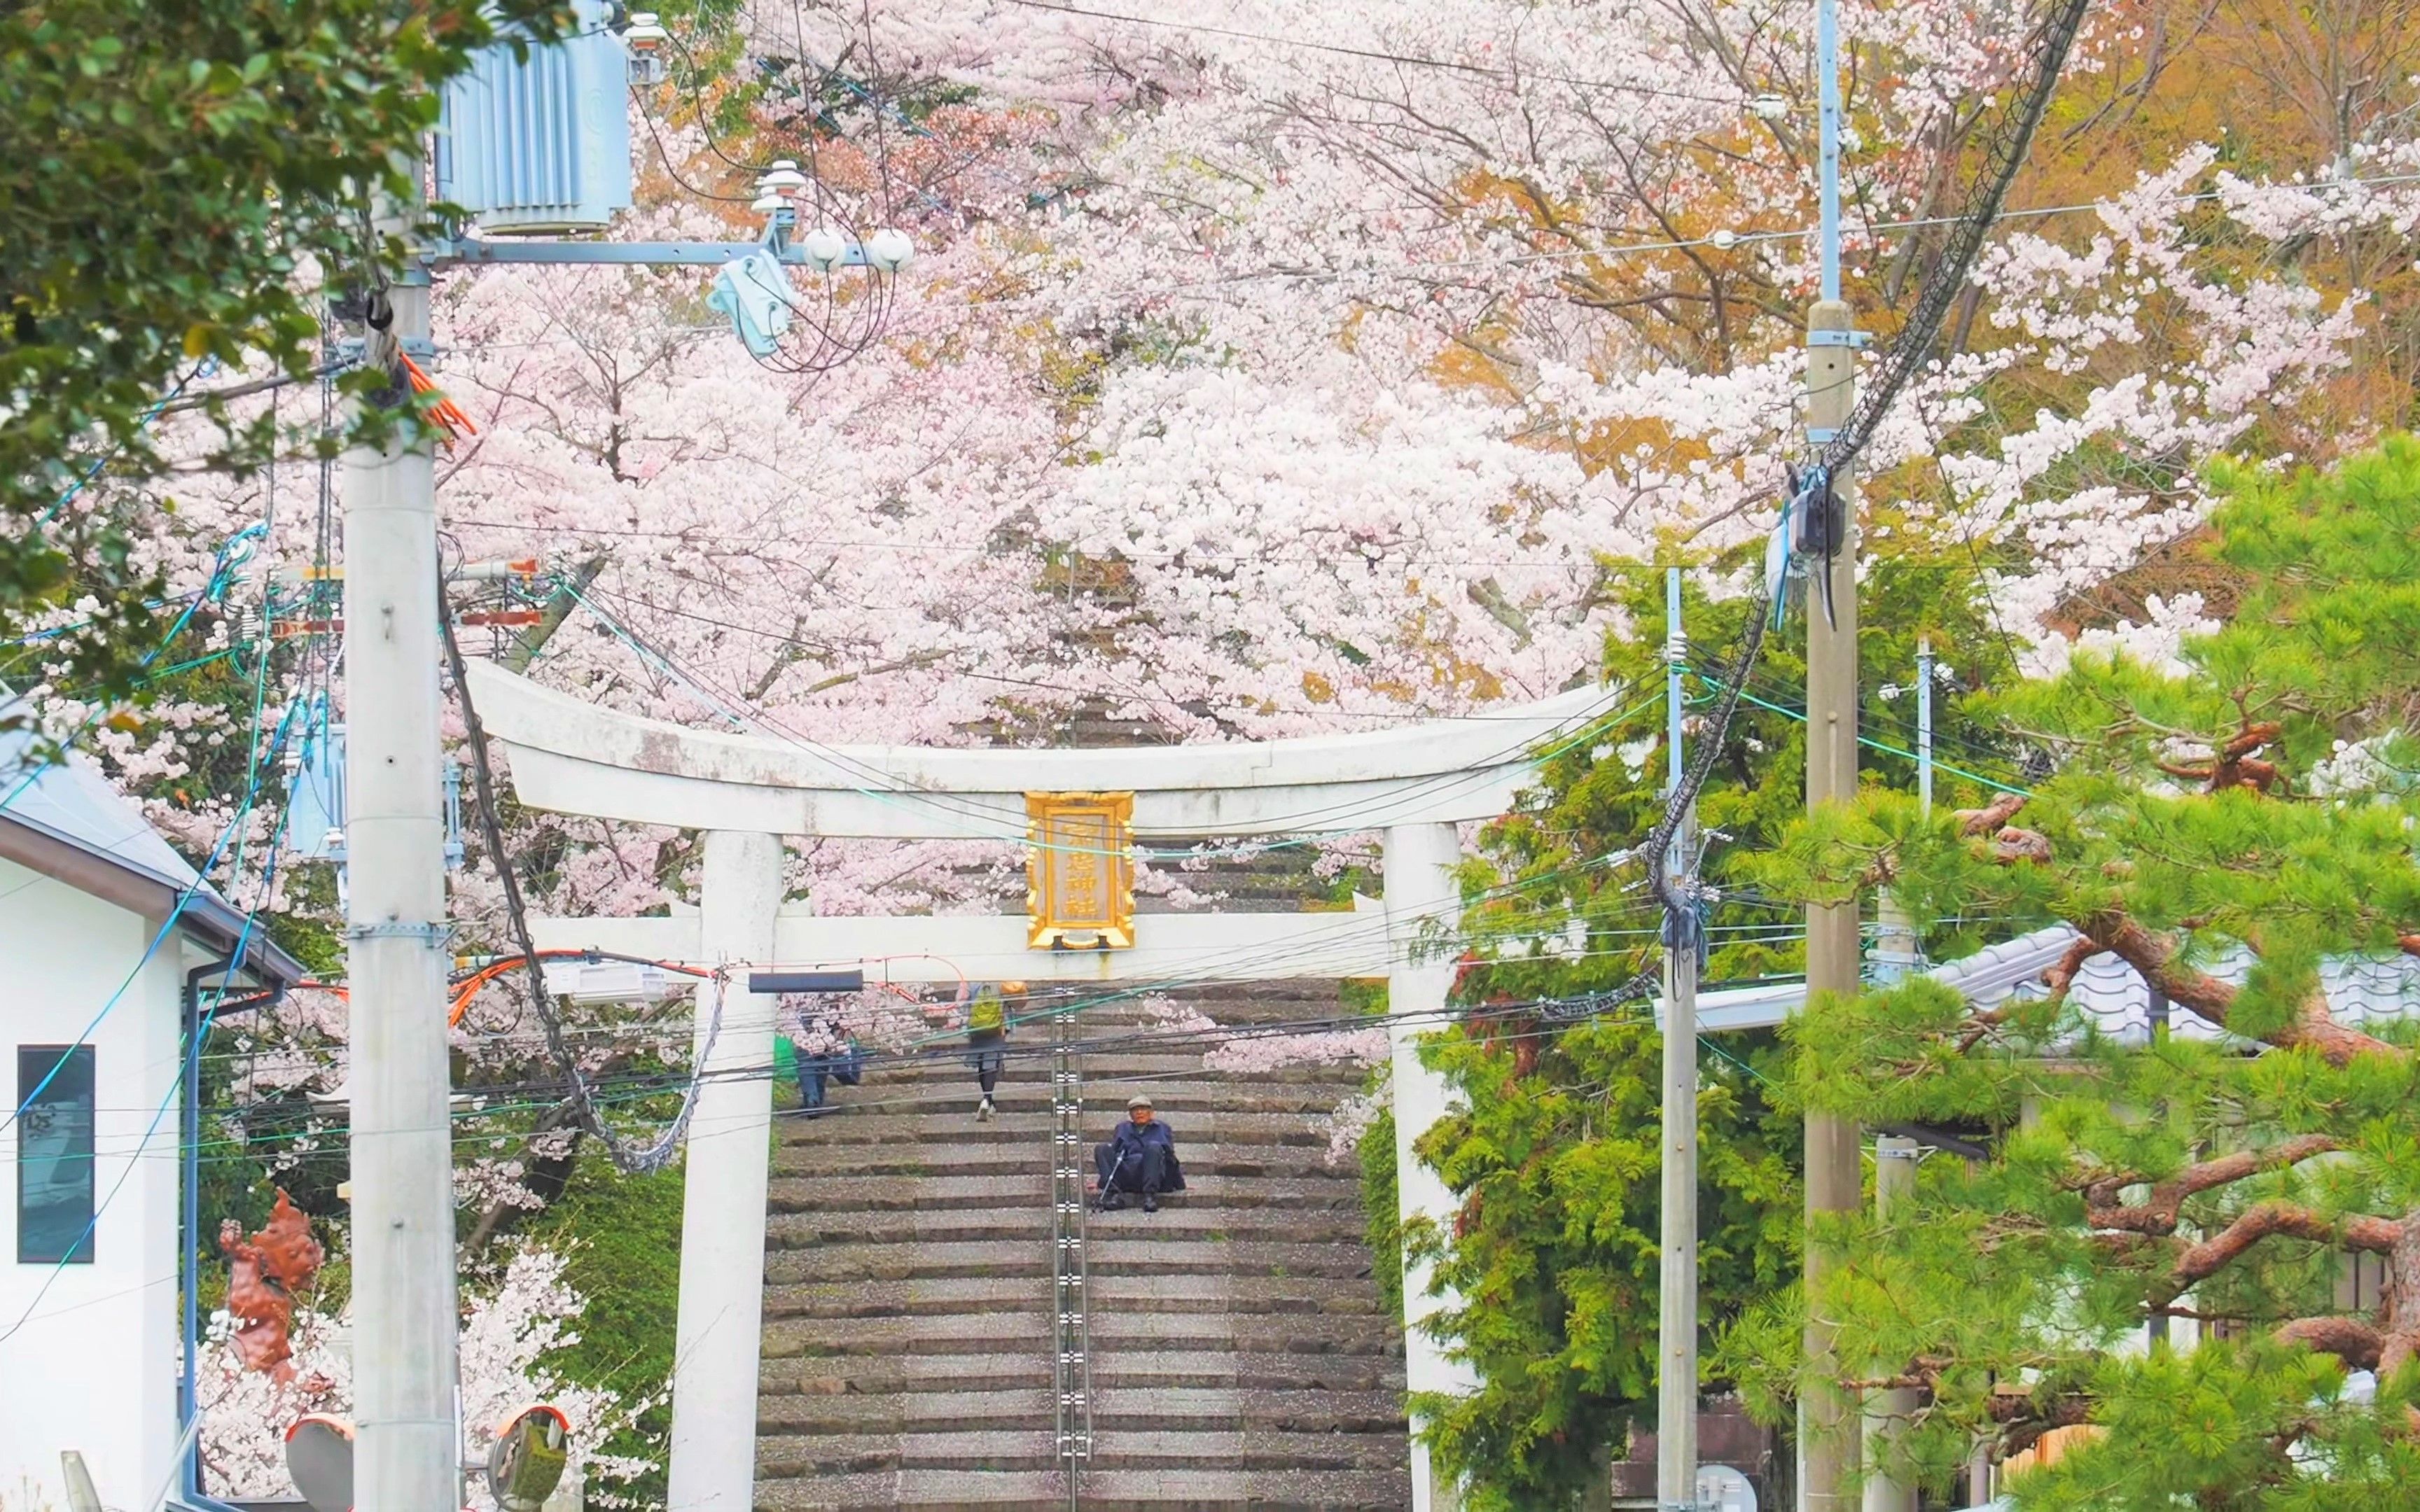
(93, 1365)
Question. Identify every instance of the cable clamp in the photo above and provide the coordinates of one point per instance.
(1821, 435)
(348, 353)
(1840, 338)
(398, 930)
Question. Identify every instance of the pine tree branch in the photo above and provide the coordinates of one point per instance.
(2196, 1263)
(2401, 1310)
(2025, 1420)
(2160, 1212)
(2154, 956)
(2350, 1339)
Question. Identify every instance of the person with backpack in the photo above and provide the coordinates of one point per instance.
(987, 1040)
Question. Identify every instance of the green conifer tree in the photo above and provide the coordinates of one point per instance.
(1553, 1250)
(2239, 831)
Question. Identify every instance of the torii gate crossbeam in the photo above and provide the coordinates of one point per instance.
(1414, 782)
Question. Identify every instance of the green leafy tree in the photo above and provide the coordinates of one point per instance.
(1553, 1250)
(2229, 829)
(173, 179)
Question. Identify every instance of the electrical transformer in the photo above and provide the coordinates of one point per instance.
(540, 144)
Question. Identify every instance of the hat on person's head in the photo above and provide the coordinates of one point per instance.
(1134, 1103)
(1013, 989)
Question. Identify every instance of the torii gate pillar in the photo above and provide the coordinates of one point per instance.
(723, 1242)
(1421, 893)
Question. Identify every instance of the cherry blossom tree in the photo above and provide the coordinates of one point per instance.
(1274, 369)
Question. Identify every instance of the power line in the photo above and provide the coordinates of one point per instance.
(1376, 55)
(1346, 817)
(636, 1160)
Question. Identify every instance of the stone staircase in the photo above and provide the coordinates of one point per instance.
(1241, 1355)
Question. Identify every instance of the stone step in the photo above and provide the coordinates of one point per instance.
(1169, 1292)
(1280, 1410)
(1204, 1489)
(896, 1194)
(1302, 1159)
(932, 1141)
(945, 1334)
(1183, 1218)
(1183, 1102)
(1225, 1449)
(1245, 1369)
(837, 1375)
(942, 1123)
(923, 1294)
(916, 1490)
(1103, 1490)
(1124, 1252)
(1019, 1122)
(1014, 1408)
(1117, 1332)
(1028, 1221)
(994, 1449)
(871, 1260)
(1105, 1072)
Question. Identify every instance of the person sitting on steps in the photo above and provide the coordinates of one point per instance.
(1140, 1157)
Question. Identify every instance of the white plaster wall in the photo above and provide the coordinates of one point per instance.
(94, 1367)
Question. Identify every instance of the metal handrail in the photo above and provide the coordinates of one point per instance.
(1070, 1271)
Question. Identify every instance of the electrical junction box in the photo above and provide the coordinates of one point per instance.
(314, 794)
(608, 981)
(540, 145)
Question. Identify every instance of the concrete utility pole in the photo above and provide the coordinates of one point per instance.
(1827, 1422)
(1889, 1412)
(1676, 1394)
(1924, 723)
(408, 1455)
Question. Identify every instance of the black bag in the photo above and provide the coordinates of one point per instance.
(848, 1067)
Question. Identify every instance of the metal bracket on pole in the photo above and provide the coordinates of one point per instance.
(348, 353)
(398, 930)
(472, 251)
(1821, 435)
(1840, 338)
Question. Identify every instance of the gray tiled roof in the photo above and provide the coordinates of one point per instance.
(2109, 991)
(2106, 988)
(69, 800)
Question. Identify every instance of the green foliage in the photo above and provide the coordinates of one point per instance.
(1554, 1250)
(1381, 1201)
(170, 176)
(2258, 808)
(2323, 643)
(2198, 1430)
(1555, 1254)
(620, 1235)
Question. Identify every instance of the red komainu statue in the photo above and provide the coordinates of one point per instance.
(264, 1273)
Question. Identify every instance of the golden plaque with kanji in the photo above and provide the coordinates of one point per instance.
(1079, 873)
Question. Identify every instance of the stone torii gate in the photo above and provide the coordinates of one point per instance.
(746, 792)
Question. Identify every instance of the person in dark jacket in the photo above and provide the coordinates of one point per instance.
(1140, 1157)
(819, 1043)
